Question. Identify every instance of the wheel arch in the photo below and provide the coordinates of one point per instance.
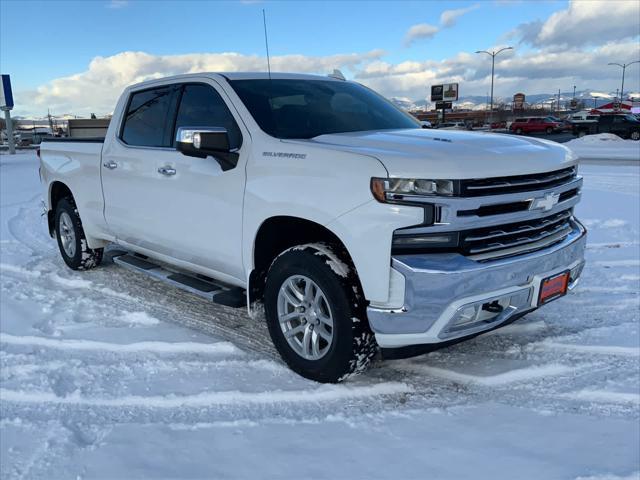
(278, 233)
(57, 191)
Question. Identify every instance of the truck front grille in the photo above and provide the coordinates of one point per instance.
(516, 238)
(520, 183)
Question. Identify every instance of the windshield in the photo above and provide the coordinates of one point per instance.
(308, 108)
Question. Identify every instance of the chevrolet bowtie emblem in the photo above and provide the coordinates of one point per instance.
(545, 203)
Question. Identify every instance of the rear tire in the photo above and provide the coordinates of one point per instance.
(635, 136)
(581, 133)
(336, 322)
(518, 131)
(71, 239)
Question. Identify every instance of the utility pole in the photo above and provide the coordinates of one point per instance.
(50, 121)
(624, 67)
(6, 104)
(9, 126)
(574, 92)
(558, 101)
(493, 65)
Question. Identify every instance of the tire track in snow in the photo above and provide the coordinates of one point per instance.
(164, 302)
(324, 393)
(604, 396)
(91, 345)
(502, 379)
(617, 263)
(587, 349)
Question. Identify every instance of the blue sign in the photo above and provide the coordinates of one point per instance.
(6, 96)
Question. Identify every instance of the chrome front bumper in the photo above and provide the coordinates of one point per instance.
(444, 294)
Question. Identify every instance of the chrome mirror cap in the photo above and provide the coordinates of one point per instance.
(191, 135)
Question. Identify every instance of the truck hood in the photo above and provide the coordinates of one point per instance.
(421, 153)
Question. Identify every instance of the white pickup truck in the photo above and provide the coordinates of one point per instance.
(356, 228)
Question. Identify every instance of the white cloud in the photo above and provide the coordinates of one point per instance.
(97, 88)
(535, 71)
(117, 4)
(538, 71)
(448, 18)
(585, 22)
(419, 31)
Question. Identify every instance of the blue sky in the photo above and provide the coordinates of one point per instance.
(41, 42)
(64, 36)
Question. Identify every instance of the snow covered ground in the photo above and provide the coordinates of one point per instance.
(107, 374)
(605, 147)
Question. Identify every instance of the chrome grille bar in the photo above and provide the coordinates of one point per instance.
(565, 229)
(517, 238)
(518, 183)
(519, 250)
(563, 216)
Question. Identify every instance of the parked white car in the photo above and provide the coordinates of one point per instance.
(355, 227)
(581, 117)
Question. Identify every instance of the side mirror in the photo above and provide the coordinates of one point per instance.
(207, 141)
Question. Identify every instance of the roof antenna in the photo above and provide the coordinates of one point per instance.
(270, 97)
(266, 41)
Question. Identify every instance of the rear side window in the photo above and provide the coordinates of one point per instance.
(202, 106)
(149, 118)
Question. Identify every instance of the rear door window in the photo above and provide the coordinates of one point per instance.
(202, 106)
(148, 121)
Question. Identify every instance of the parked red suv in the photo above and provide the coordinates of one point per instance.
(534, 125)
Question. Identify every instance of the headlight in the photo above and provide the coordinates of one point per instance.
(402, 189)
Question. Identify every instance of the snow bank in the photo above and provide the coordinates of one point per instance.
(597, 138)
(605, 146)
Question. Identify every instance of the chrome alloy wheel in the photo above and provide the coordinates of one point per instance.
(67, 234)
(305, 317)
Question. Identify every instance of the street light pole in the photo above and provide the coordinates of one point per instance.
(493, 65)
(624, 67)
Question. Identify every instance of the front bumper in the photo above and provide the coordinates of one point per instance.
(442, 292)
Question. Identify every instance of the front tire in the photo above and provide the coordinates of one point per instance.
(315, 316)
(549, 130)
(71, 239)
(635, 136)
(518, 131)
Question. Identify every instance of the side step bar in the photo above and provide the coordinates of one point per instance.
(200, 285)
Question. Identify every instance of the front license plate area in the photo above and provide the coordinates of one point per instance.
(553, 287)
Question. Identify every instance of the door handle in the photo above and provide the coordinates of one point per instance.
(110, 165)
(167, 171)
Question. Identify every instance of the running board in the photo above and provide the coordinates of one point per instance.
(200, 285)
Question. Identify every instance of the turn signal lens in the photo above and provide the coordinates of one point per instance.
(423, 242)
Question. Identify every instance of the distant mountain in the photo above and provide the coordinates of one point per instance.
(479, 102)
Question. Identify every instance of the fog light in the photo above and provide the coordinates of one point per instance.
(575, 272)
(467, 315)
